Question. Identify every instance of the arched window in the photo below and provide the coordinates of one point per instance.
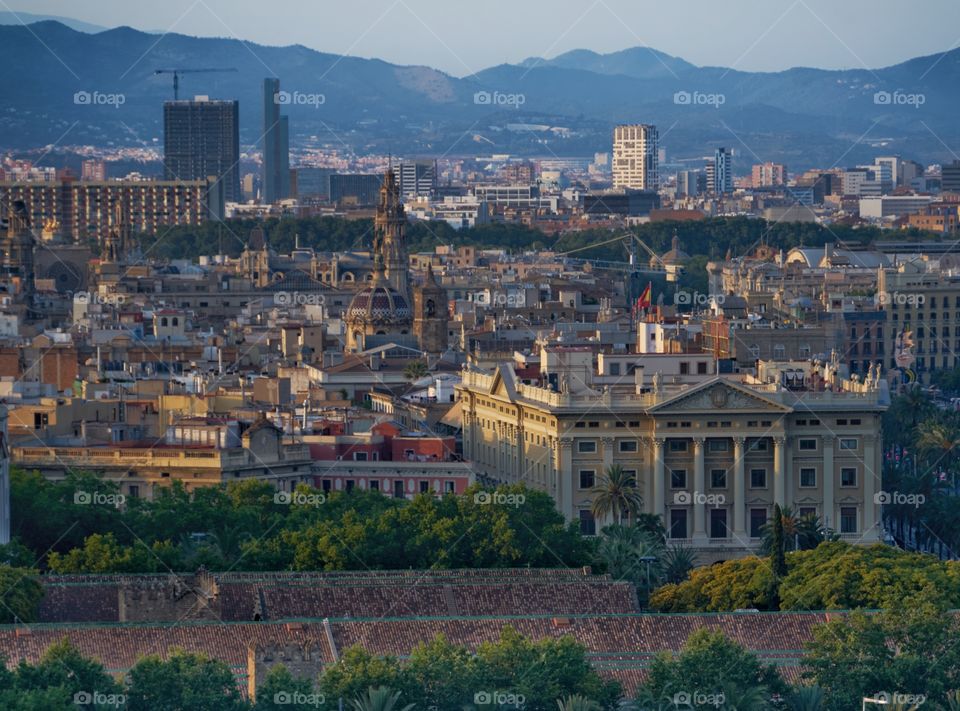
(163, 321)
(175, 321)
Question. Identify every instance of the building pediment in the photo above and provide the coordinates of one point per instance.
(504, 383)
(719, 395)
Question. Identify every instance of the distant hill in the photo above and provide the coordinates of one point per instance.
(801, 116)
(17, 18)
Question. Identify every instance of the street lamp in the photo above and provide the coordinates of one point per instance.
(868, 700)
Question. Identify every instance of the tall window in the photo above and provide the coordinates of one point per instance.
(588, 527)
(848, 476)
(678, 478)
(718, 478)
(848, 519)
(718, 523)
(758, 519)
(678, 523)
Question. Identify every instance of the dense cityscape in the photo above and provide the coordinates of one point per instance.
(556, 409)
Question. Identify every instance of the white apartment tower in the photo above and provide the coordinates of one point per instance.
(635, 157)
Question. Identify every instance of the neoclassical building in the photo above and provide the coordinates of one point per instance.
(712, 453)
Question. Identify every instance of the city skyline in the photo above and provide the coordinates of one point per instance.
(600, 382)
(769, 38)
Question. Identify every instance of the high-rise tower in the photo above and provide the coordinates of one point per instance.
(635, 157)
(276, 145)
(201, 138)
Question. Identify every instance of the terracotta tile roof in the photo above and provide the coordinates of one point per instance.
(619, 646)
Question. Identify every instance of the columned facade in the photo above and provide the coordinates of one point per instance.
(712, 461)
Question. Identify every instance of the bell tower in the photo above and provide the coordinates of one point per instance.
(255, 260)
(18, 248)
(117, 238)
(430, 315)
(390, 234)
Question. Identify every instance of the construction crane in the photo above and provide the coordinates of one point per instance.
(177, 72)
(631, 266)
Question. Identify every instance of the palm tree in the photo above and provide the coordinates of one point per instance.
(616, 494)
(807, 698)
(415, 369)
(379, 699)
(652, 524)
(917, 405)
(631, 554)
(750, 698)
(647, 701)
(676, 563)
(799, 533)
(939, 442)
(578, 703)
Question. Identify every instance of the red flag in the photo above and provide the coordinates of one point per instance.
(644, 301)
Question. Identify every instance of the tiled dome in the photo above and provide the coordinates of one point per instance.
(379, 304)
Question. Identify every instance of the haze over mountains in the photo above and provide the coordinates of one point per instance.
(564, 106)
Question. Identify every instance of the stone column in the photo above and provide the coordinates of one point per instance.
(565, 476)
(739, 491)
(829, 513)
(699, 492)
(648, 459)
(467, 437)
(607, 443)
(779, 471)
(659, 488)
(519, 454)
(871, 478)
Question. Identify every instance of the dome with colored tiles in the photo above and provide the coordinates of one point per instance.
(379, 303)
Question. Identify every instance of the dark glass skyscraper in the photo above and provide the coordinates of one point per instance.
(201, 138)
(276, 145)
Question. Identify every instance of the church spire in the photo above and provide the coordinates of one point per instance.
(390, 234)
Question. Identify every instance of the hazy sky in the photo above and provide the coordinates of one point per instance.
(463, 37)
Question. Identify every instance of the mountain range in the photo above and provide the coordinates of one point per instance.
(565, 106)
